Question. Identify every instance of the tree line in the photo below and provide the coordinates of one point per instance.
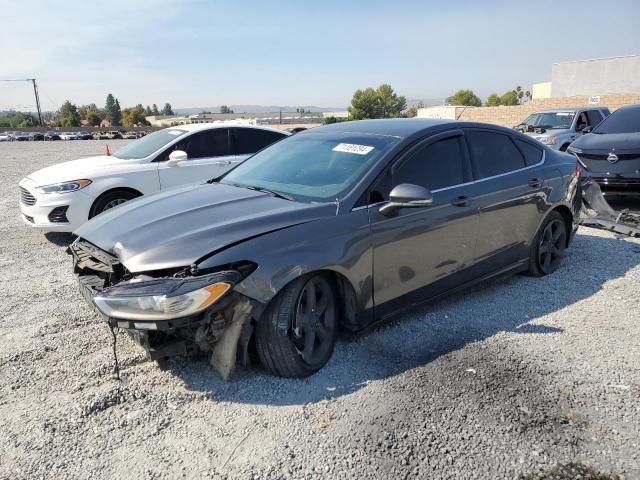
(70, 115)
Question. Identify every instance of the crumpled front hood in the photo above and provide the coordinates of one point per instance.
(611, 142)
(177, 227)
(77, 169)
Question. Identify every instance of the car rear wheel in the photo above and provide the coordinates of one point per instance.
(110, 200)
(296, 336)
(548, 246)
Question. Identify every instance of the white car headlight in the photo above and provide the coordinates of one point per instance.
(164, 298)
(64, 187)
(550, 140)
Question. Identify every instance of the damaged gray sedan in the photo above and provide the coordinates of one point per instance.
(338, 227)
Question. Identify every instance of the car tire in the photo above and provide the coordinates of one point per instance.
(111, 199)
(296, 335)
(548, 246)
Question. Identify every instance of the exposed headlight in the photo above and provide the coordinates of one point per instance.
(64, 187)
(574, 149)
(550, 140)
(165, 298)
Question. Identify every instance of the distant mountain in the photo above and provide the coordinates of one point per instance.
(257, 109)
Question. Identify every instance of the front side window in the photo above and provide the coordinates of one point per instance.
(494, 153)
(313, 167)
(206, 144)
(248, 140)
(433, 166)
(594, 117)
(624, 120)
(147, 145)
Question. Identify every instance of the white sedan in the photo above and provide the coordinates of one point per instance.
(62, 197)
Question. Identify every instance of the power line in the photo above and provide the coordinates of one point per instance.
(35, 92)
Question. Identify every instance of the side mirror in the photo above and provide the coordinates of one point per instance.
(176, 157)
(407, 195)
(586, 130)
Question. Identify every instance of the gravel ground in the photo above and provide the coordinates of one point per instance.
(538, 378)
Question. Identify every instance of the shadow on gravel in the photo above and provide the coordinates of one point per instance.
(425, 334)
(60, 239)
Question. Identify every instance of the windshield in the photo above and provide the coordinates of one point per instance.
(550, 120)
(148, 144)
(315, 167)
(625, 120)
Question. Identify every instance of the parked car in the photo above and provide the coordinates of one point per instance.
(113, 135)
(5, 137)
(340, 226)
(20, 136)
(130, 135)
(36, 136)
(84, 136)
(64, 196)
(610, 152)
(558, 128)
(68, 136)
(50, 136)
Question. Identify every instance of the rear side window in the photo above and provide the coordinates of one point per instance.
(494, 153)
(434, 166)
(532, 154)
(248, 141)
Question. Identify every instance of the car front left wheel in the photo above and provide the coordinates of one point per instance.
(297, 333)
(110, 200)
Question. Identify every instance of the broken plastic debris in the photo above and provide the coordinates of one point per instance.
(472, 370)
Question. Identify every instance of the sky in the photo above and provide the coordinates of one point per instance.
(197, 53)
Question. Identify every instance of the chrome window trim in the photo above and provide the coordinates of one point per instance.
(540, 163)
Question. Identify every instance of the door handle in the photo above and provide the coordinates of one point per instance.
(461, 201)
(222, 162)
(535, 183)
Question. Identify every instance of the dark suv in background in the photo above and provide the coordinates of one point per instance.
(611, 152)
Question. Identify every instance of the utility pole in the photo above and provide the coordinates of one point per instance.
(35, 92)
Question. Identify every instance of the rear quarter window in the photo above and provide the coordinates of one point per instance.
(532, 154)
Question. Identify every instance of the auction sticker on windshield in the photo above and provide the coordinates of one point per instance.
(353, 148)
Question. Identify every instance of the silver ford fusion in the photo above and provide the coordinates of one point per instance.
(337, 227)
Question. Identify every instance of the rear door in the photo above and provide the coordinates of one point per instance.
(419, 251)
(247, 141)
(208, 156)
(509, 191)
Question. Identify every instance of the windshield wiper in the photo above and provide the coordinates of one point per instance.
(259, 189)
(270, 192)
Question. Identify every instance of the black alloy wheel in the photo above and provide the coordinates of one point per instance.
(296, 335)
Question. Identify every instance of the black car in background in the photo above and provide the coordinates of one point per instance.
(340, 226)
(50, 136)
(610, 152)
(36, 136)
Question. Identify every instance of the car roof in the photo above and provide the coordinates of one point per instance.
(570, 109)
(195, 127)
(395, 127)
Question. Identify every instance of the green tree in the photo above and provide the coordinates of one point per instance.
(17, 120)
(413, 111)
(134, 117)
(112, 110)
(465, 97)
(380, 103)
(68, 115)
(225, 109)
(510, 98)
(154, 110)
(167, 110)
(493, 100)
(147, 111)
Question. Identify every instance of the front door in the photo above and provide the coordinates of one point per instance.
(421, 252)
(208, 156)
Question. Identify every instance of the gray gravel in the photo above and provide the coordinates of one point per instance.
(532, 377)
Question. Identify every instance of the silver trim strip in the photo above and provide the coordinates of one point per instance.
(541, 162)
